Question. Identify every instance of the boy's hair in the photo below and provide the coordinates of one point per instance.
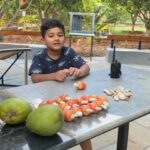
(49, 24)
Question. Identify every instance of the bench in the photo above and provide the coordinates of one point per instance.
(9, 50)
(134, 38)
(129, 56)
(19, 32)
(138, 56)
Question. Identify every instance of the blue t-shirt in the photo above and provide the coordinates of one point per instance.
(43, 64)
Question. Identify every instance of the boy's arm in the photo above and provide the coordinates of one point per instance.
(81, 72)
(42, 77)
(85, 69)
(56, 76)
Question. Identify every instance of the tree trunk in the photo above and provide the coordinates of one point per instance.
(134, 16)
(147, 26)
(11, 21)
(3, 8)
(133, 25)
(144, 15)
(22, 2)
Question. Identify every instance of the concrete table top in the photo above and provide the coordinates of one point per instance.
(119, 113)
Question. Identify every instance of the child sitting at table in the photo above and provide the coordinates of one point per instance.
(57, 62)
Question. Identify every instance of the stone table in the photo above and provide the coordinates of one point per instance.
(119, 114)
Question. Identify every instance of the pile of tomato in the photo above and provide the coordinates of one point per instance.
(77, 107)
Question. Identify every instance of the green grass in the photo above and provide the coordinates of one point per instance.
(119, 28)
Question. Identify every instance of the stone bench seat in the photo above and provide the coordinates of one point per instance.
(129, 56)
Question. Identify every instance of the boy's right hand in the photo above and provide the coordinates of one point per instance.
(61, 75)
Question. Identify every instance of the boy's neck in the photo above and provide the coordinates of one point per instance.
(54, 54)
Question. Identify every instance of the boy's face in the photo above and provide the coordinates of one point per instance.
(54, 39)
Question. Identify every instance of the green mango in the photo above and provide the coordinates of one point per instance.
(14, 110)
(45, 120)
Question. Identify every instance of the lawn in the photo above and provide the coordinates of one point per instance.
(120, 28)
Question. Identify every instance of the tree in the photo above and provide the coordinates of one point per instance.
(132, 10)
(97, 7)
(55, 8)
(144, 14)
(127, 5)
(136, 8)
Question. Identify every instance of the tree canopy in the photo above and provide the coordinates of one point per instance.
(113, 10)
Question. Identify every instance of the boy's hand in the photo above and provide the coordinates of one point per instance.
(75, 72)
(61, 75)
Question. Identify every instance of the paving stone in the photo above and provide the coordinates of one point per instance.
(144, 121)
(110, 147)
(139, 137)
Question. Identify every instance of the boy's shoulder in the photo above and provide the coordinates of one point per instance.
(41, 53)
(65, 48)
(68, 50)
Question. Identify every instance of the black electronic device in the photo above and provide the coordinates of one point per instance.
(115, 69)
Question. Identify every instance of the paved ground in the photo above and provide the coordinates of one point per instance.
(139, 134)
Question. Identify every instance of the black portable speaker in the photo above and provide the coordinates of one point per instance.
(115, 69)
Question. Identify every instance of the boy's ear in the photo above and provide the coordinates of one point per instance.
(42, 40)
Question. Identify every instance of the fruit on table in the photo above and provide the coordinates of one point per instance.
(86, 110)
(119, 93)
(94, 106)
(80, 106)
(62, 106)
(69, 115)
(80, 85)
(14, 110)
(45, 120)
(76, 111)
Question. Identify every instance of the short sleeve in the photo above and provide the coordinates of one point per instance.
(36, 66)
(75, 59)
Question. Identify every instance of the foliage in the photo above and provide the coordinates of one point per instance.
(125, 28)
(2, 22)
(29, 22)
(136, 8)
(117, 15)
(145, 13)
(28, 19)
(88, 5)
(106, 11)
(55, 9)
(97, 7)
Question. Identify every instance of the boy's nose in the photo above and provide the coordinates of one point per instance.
(56, 38)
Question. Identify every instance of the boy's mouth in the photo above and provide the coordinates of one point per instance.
(56, 44)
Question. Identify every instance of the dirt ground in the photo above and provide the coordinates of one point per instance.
(80, 44)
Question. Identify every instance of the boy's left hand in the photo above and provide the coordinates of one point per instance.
(75, 72)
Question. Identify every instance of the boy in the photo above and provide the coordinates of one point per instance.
(57, 62)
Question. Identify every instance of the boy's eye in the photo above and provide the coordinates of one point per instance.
(51, 35)
(60, 35)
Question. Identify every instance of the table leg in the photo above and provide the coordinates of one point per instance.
(91, 51)
(26, 67)
(122, 141)
(70, 41)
